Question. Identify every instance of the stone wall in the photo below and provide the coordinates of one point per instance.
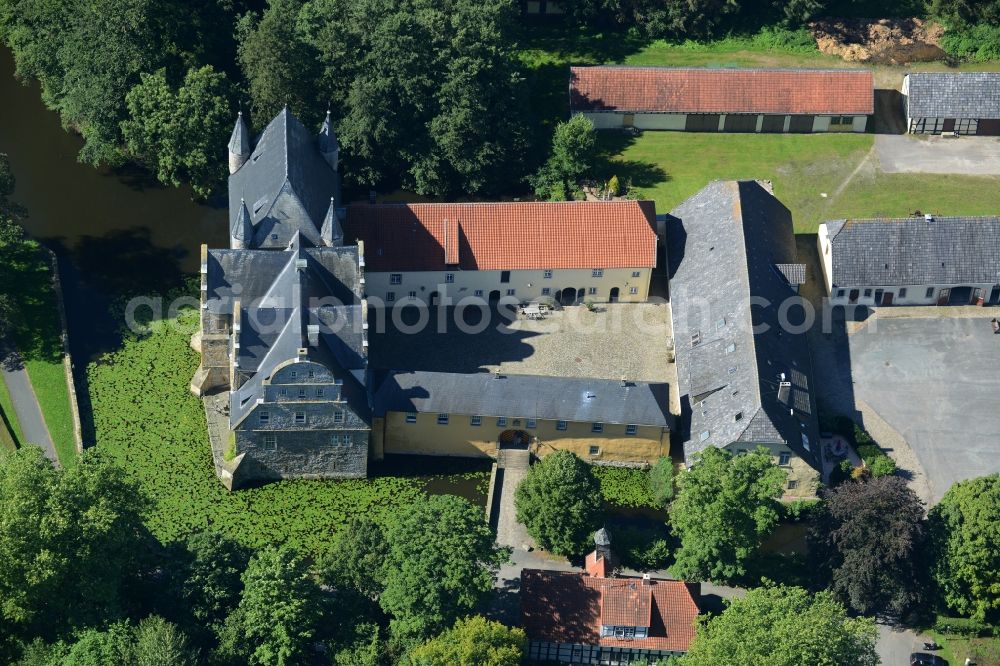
(74, 406)
(301, 454)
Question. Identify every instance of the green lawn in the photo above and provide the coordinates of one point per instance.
(8, 439)
(147, 419)
(49, 381)
(982, 651)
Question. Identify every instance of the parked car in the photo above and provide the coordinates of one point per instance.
(926, 659)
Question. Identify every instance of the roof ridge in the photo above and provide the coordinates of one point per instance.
(830, 70)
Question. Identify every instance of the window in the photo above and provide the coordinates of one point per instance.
(263, 417)
(547, 275)
(476, 420)
(511, 292)
(531, 423)
(720, 324)
(302, 393)
(930, 292)
(300, 417)
(442, 419)
(294, 374)
(636, 274)
(868, 293)
(504, 277)
(739, 416)
(312, 374)
(696, 338)
(411, 294)
(841, 120)
(271, 442)
(793, 484)
(395, 278)
(411, 418)
(597, 272)
(338, 416)
(633, 290)
(390, 296)
(501, 421)
(840, 293)
(902, 292)
(283, 392)
(966, 125)
(561, 425)
(597, 427)
(592, 290)
(784, 458)
(595, 450)
(731, 348)
(320, 392)
(479, 293)
(631, 429)
(704, 436)
(449, 277)
(546, 291)
(274, 236)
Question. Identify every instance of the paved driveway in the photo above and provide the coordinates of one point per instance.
(936, 381)
(970, 155)
(29, 414)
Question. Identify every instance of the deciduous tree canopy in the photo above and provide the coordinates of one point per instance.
(474, 641)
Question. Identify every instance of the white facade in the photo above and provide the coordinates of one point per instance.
(909, 294)
(593, 284)
(678, 121)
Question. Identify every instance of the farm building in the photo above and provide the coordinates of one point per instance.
(723, 100)
(911, 261)
(960, 102)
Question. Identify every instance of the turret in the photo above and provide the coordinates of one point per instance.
(328, 146)
(331, 232)
(239, 145)
(241, 232)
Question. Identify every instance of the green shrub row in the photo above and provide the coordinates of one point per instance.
(625, 486)
(962, 626)
(974, 43)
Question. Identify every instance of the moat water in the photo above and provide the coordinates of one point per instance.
(114, 230)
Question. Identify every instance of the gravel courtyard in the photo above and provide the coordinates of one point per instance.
(968, 155)
(936, 381)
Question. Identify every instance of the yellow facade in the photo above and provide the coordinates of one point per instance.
(803, 480)
(423, 434)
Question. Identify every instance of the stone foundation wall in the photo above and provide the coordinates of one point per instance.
(300, 455)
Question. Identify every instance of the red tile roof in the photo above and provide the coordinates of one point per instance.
(570, 608)
(669, 90)
(505, 236)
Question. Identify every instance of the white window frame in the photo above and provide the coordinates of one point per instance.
(449, 278)
(633, 290)
(270, 442)
(411, 417)
(631, 429)
(476, 420)
(562, 425)
(263, 417)
(597, 272)
(442, 419)
(597, 426)
(547, 274)
(512, 292)
(501, 421)
(390, 296)
(338, 416)
(395, 278)
(300, 418)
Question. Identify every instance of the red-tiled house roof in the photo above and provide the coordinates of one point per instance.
(505, 236)
(571, 607)
(669, 90)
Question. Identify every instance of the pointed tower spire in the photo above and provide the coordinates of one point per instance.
(241, 233)
(239, 145)
(328, 145)
(331, 232)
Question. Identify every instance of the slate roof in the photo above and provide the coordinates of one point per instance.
(281, 294)
(524, 396)
(915, 251)
(286, 183)
(505, 236)
(953, 95)
(682, 90)
(741, 377)
(567, 607)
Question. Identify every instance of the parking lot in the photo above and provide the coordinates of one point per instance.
(936, 381)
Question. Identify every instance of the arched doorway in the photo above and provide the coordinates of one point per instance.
(514, 439)
(995, 295)
(566, 296)
(580, 293)
(614, 295)
(434, 299)
(494, 296)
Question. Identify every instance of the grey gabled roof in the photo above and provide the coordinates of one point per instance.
(915, 251)
(954, 95)
(523, 396)
(286, 183)
(742, 377)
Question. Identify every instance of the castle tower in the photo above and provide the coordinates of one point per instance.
(241, 233)
(239, 145)
(328, 145)
(332, 233)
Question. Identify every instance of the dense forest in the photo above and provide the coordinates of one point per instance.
(429, 95)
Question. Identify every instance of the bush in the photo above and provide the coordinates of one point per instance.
(776, 38)
(641, 548)
(882, 466)
(800, 510)
(962, 626)
(661, 480)
(974, 43)
(625, 486)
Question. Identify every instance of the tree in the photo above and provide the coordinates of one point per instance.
(213, 577)
(724, 507)
(93, 647)
(70, 542)
(279, 612)
(870, 536)
(356, 560)
(180, 133)
(965, 534)
(784, 626)
(559, 501)
(442, 561)
(6, 177)
(474, 641)
(661, 480)
(574, 150)
(157, 642)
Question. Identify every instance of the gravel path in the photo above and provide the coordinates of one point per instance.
(26, 407)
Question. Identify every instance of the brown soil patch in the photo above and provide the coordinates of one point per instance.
(883, 41)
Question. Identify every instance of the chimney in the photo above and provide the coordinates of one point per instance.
(646, 580)
(929, 217)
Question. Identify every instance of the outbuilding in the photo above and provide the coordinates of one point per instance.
(923, 260)
(723, 100)
(961, 102)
